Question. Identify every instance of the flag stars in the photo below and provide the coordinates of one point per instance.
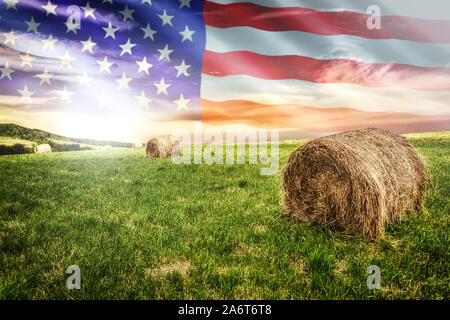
(66, 60)
(165, 53)
(32, 25)
(148, 32)
(72, 26)
(50, 8)
(88, 45)
(11, 4)
(11, 37)
(64, 95)
(165, 18)
(182, 69)
(143, 65)
(110, 31)
(45, 77)
(127, 13)
(6, 72)
(104, 100)
(162, 87)
(49, 43)
(184, 3)
(149, 2)
(26, 94)
(123, 82)
(84, 79)
(27, 59)
(187, 34)
(126, 47)
(182, 102)
(105, 65)
(108, 1)
(88, 11)
(143, 100)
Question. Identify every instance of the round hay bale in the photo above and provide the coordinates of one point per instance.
(43, 148)
(162, 146)
(359, 180)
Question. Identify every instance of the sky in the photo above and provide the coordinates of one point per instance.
(128, 70)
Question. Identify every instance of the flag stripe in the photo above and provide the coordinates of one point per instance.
(323, 23)
(327, 47)
(436, 10)
(314, 119)
(325, 71)
(241, 87)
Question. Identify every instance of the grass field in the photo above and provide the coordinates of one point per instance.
(8, 141)
(144, 228)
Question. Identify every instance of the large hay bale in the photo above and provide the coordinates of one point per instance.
(162, 146)
(359, 180)
(43, 148)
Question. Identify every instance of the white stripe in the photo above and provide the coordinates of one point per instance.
(435, 9)
(327, 47)
(325, 95)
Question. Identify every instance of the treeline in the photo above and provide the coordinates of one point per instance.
(15, 149)
(40, 136)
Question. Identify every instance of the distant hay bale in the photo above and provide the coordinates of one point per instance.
(43, 148)
(137, 145)
(162, 146)
(358, 180)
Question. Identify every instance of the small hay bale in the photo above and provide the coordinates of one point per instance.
(43, 148)
(359, 180)
(162, 146)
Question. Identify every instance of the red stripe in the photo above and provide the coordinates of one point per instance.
(324, 23)
(325, 71)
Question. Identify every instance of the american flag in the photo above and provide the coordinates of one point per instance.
(311, 65)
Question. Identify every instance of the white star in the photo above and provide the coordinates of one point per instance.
(143, 65)
(50, 8)
(66, 60)
(32, 25)
(26, 95)
(87, 45)
(165, 53)
(11, 4)
(166, 19)
(64, 95)
(185, 3)
(146, 1)
(110, 31)
(6, 71)
(148, 32)
(84, 79)
(127, 13)
(182, 69)
(48, 43)
(126, 47)
(27, 59)
(45, 77)
(108, 1)
(182, 103)
(123, 82)
(10, 37)
(143, 100)
(162, 87)
(88, 11)
(72, 26)
(104, 100)
(187, 34)
(105, 65)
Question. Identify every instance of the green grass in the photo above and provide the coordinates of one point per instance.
(144, 228)
(8, 141)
